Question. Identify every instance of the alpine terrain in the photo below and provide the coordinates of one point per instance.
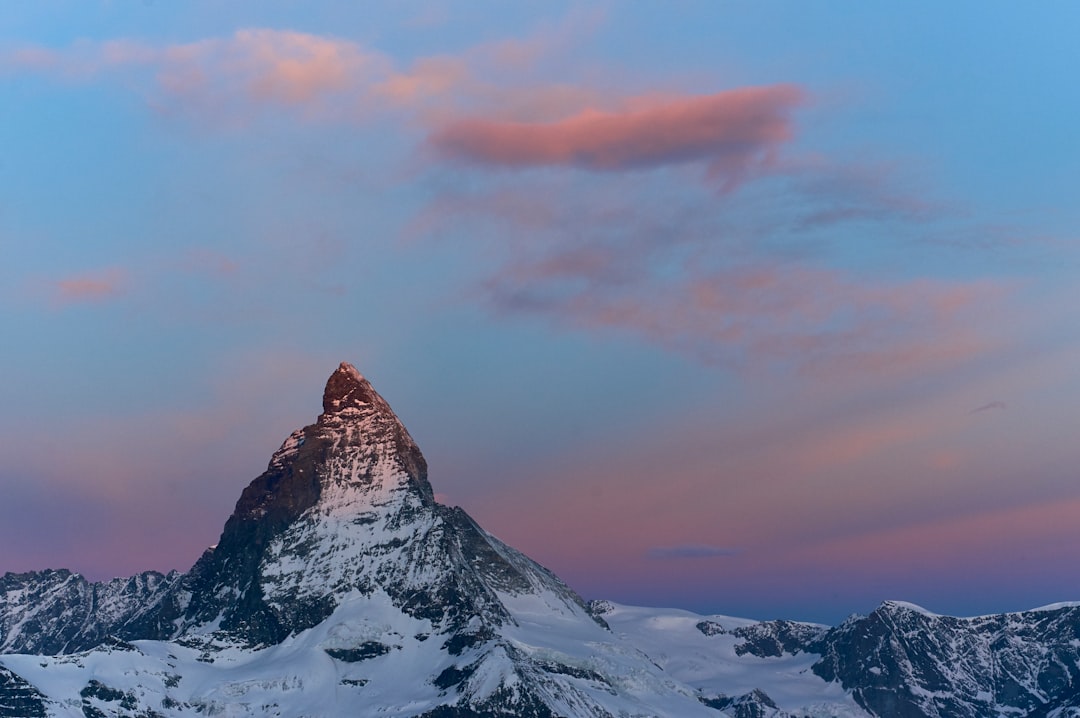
(340, 587)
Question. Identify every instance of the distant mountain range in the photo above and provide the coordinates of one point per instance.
(340, 587)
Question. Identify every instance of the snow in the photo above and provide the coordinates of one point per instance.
(651, 662)
(1057, 606)
(372, 538)
(710, 665)
(288, 448)
(911, 607)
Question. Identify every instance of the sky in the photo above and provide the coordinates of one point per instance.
(763, 309)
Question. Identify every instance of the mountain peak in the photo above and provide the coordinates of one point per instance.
(347, 388)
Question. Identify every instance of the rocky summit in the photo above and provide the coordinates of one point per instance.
(340, 587)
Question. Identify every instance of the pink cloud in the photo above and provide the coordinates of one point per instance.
(630, 256)
(980, 540)
(818, 319)
(730, 130)
(275, 66)
(428, 77)
(233, 79)
(891, 480)
(325, 78)
(862, 507)
(846, 474)
(550, 40)
(92, 287)
(507, 78)
(229, 76)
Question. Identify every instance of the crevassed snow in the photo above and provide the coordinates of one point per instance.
(652, 662)
(710, 665)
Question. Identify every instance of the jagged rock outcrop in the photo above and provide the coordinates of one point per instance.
(755, 704)
(345, 508)
(339, 555)
(57, 611)
(19, 699)
(906, 662)
(321, 489)
(768, 638)
(339, 587)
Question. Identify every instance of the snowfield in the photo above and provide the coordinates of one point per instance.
(340, 588)
(652, 662)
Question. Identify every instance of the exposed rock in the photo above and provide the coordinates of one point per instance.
(343, 515)
(18, 698)
(338, 579)
(775, 638)
(906, 662)
(57, 611)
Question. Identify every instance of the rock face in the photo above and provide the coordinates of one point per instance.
(61, 612)
(340, 587)
(19, 698)
(768, 638)
(339, 554)
(353, 481)
(906, 662)
(345, 508)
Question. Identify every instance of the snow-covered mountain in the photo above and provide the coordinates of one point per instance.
(904, 661)
(340, 587)
(61, 612)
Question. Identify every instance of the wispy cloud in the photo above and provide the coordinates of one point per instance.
(650, 250)
(830, 193)
(751, 314)
(229, 80)
(90, 287)
(988, 407)
(691, 551)
(628, 257)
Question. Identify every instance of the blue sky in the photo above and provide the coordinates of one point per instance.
(763, 309)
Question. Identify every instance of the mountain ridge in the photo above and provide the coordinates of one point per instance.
(339, 584)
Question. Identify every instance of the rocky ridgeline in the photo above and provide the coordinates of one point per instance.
(905, 662)
(50, 612)
(340, 585)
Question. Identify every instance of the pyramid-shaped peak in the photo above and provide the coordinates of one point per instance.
(346, 388)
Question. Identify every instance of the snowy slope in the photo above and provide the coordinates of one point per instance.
(338, 581)
(370, 654)
(715, 655)
(340, 587)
